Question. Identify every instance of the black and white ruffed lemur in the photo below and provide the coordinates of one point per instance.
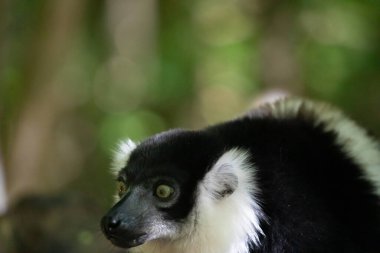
(290, 176)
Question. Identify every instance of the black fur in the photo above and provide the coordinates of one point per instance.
(313, 194)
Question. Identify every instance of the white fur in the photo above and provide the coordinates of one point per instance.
(121, 155)
(219, 225)
(353, 139)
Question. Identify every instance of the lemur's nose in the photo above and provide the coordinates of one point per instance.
(110, 224)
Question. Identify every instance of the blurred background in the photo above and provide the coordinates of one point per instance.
(76, 76)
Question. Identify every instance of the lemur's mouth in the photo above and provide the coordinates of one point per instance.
(127, 242)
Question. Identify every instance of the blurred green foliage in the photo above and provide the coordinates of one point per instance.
(77, 76)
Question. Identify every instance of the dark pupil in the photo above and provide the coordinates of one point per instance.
(162, 192)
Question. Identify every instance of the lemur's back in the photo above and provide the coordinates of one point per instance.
(315, 181)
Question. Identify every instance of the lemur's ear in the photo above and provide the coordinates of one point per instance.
(121, 155)
(223, 178)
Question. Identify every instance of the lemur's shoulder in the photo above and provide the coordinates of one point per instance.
(354, 139)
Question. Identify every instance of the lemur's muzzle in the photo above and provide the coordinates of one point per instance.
(123, 225)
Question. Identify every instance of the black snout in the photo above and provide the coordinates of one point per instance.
(120, 234)
(127, 223)
(110, 224)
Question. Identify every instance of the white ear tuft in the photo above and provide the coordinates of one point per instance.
(121, 155)
(222, 180)
(228, 198)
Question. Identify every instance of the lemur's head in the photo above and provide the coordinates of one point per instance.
(175, 187)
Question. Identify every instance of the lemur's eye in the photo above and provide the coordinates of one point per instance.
(164, 192)
(122, 188)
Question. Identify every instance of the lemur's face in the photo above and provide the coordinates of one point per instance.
(146, 210)
(157, 188)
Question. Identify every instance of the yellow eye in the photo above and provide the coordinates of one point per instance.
(164, 192)
(122, 188)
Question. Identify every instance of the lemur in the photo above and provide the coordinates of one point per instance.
(289, 176)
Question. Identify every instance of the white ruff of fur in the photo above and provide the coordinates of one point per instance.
(121, 155)
(219, 225)
(353, 139)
